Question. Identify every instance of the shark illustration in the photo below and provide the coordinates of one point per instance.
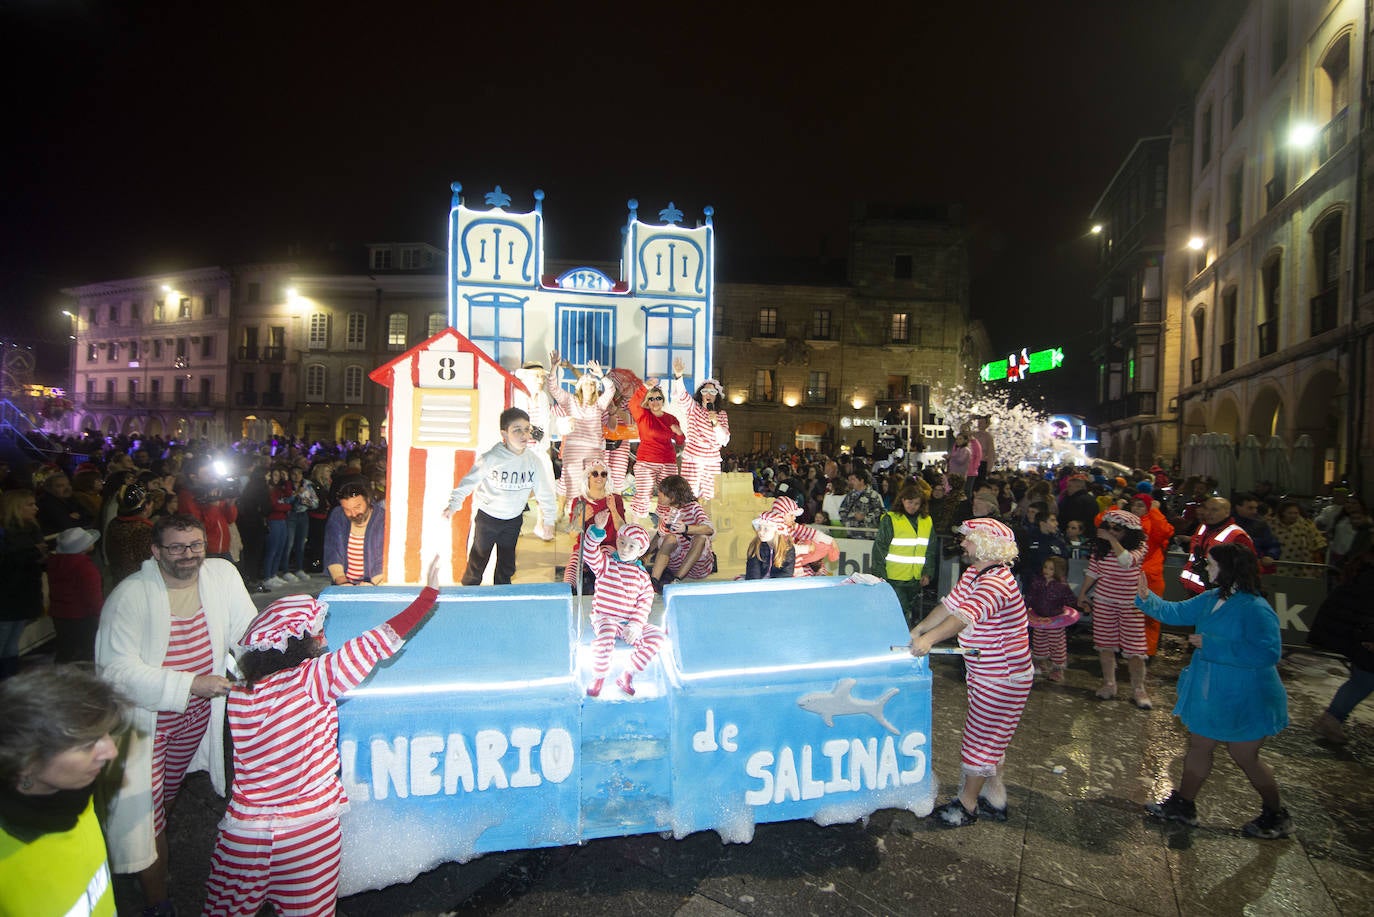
(838, 701)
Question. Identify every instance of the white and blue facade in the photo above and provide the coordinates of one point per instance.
(659, 310)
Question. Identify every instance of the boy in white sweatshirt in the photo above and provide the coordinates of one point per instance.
(502, 480)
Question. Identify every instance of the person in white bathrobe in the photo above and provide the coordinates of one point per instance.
(165, 635)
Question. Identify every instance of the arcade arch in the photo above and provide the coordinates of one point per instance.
(1266, 414)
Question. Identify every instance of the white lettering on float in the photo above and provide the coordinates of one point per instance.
(870, 765)
(426, 765)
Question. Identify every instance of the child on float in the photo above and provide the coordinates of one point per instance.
(624, 597)
(1049, 609)
(280, 840)
(771, 554)
(684, 535)
(1118, 625)
(814, 545)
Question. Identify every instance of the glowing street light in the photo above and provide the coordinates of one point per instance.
(1097, 229)
(1196, 243)
(1302, 135)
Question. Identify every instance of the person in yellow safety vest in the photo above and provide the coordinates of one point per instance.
(899, 551)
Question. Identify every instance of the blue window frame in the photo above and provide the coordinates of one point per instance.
(585, 333)
(670, 332)
(496, 323)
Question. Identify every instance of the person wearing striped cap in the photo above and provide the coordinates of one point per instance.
(624, 596)
(771, 554)
(1108, 591)
(814, 547)
(987, 613)
(280, 840)
(708, 431)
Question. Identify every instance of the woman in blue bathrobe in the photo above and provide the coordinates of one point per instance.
(1230, 692)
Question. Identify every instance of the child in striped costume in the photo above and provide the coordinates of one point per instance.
(986, 611)
(708, 430)
(684, 536)
(624, 596)
(279, 840)
(588, 434)
(1113, 575)
(814, 547)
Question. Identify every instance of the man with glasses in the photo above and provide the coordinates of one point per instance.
(501, 481)
(165, 634)
(354, 535)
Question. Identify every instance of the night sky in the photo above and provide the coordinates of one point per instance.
(152, 136)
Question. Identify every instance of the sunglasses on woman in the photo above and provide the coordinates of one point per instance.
(599, 474)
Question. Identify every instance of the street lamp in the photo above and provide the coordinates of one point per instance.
(1196, 243)
(907, 408)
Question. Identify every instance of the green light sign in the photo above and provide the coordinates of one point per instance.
(1015, 367)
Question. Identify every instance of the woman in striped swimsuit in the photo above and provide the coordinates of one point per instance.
(1118, 624)
(588, 434)
(986, 611)
(708, 430)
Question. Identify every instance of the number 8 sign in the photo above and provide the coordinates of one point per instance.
(446, 369)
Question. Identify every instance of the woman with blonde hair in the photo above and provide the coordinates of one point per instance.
(771, 554)
(23, 553)
(586, 407)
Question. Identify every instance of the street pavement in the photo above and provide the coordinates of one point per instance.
(1079, 772)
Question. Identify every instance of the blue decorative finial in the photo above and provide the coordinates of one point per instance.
(633, 204)
(710, 212)
(538, 200)
(670, 214)
(457, 188)
(498, 198)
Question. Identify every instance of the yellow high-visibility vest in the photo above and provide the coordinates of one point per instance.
(906, 555)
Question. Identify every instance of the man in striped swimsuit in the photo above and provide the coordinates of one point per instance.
(279, 840)
(986, 611)
(624, 595)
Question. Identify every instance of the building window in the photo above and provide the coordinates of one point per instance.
(900, 328)
(1278, 36)
(1204, 231)
(91, 352)
(1226, 349)
(353, 383)
(397, 325)
(319, 331)
(1272, 277)
(314, 382)
(1325, 305)
(159, 310)
(1238, 90)
(669, 334)
(206, 391)
(90, 389)
(583, 333)
(438, 321)
(1235, 185)
(207, 346)
(155, 389)
(817, 388)
(901, 267)
(114, 315)
(1199, 344)
(1204, 137)
(157, 348)
(181, 348)
(133, 390)
(763, 385)
(184, 308)
(356, 338)
(112, 352)
(768, 323)
(820, 325)
(496, 323)
(381, 259)
(763, 441)
(1146, 369)
(254, 294)
(109, 391)
(412, 259)
(210, 304)
(133, 351)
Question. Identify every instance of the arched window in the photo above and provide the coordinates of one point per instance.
(353, 383)
(438, 321)
(397, 328)
(1326, 250)
(1199, 343)
(314, 382)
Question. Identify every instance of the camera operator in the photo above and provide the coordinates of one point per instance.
(201, 494)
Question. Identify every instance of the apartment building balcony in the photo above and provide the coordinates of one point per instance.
(1275, 190)
(255, 354)
(246, 399)
(1134, 404)
(273, 399)
(1333, 135)
(1195, 366)
(820, 396)
(1226, 353)
(1268, 337)
(1323, 311)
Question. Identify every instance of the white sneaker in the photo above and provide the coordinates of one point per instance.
(289, 577)
(274, 582)
(302, 576)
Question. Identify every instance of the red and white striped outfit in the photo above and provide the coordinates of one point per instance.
(1000, 677)
(1117, 623)
(575, 514)
(691, 514)
(279, 839)
(624, 595)
(701, 454)
(812, 547)
(354, 571)
(656, 457)
(587, 436)
(179, 734)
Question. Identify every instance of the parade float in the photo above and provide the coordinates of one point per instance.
(770, 700)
